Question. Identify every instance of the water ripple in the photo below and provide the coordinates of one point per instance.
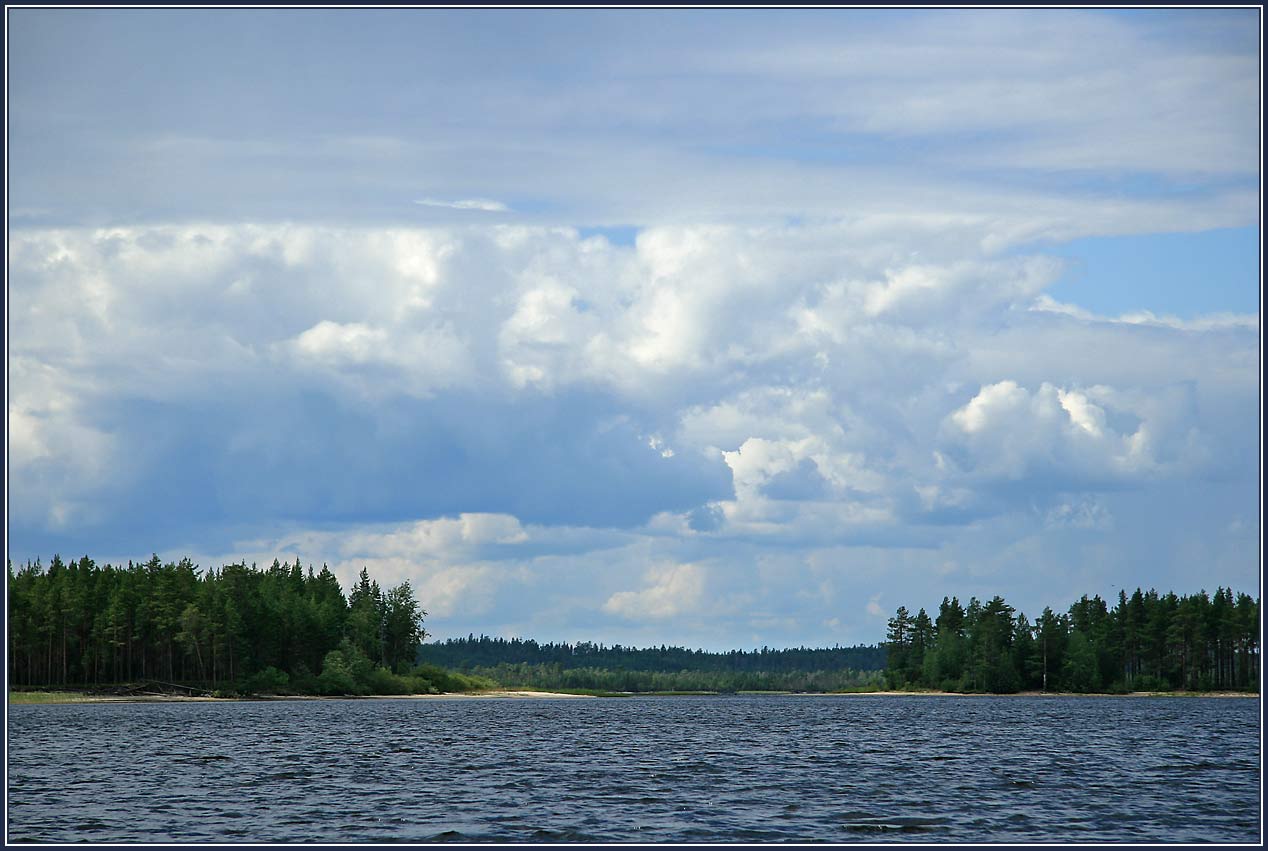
(738, 769)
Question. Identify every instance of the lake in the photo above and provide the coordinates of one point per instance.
(657, 769)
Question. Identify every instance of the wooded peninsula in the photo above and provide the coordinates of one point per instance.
(1147, 642)
(231, 631)
(285, 630)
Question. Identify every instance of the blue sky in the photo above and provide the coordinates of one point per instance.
(714, 327)
(1178, 274)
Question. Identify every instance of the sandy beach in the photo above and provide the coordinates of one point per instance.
(484, 695)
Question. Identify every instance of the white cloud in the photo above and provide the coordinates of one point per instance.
(55, 450)
(454, 589)
(442, 538)
(1087, 91)
(333, 342)
(672, 590)
(736, 117)
(657, 443)
(416, 361)
(1010, 433)
(790, 390)
(826, 368)
(457, 565)
(802, 358)
(483, 205)
(1210, 322)
(942, 292)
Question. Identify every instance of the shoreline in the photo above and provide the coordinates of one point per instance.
(936, 693)
(62, 698)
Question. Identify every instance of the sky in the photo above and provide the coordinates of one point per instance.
(722, 328)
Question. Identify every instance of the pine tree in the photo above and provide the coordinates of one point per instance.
(898, 643)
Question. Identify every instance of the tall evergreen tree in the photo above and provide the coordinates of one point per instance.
(898, 643)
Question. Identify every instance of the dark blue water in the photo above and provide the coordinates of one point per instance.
(682, 769)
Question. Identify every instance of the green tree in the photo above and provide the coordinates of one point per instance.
(365, 617)
(1079, 669)
(192, 636)
(1024, 653)
(898, 643)
(922, 639)
(1051, 636)
(992, 640)
(944, 667)
(402, 628)
(1247, 615)
(345, 670)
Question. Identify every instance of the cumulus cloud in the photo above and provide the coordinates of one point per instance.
(56, 449)
(941, 293)
(1007, 432)
(378, 360)
(463, 536)
(789, 361)
(826, 371)
(458, 565)
(670, 591)
(497, 412)
(331, 341)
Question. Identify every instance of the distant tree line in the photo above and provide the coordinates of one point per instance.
(554, 676)
(471, 653)
(1147, 642)
(236, 628)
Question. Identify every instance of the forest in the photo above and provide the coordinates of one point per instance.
(472, 652)
(1147, 642)
(555, 677)
(233, 630)
(240, 629)
(587, 666)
